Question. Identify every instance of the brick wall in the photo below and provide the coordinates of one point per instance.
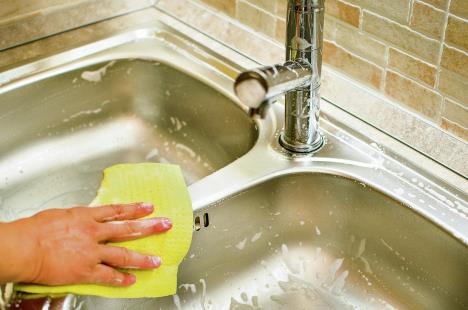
(414, 51)
(22, 21)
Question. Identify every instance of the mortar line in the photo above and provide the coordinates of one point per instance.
(441, 51)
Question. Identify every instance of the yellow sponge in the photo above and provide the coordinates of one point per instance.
(164, 187)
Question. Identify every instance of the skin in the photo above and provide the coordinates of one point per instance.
(68, 246)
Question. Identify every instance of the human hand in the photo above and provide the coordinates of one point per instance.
(67, 246)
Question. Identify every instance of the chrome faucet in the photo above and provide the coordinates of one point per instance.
(298, 78)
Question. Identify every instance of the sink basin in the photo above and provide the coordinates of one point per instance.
(108, 113)
(315, 241)
(366, 223)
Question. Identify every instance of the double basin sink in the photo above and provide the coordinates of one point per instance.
(352, 227)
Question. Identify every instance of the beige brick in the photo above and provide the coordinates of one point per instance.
(419, 98)
(281, 6)
(457, 32)
(351, 65)
(256, 18)
(411, 66)
(40, 24)
(330, 28)
(402, 37)
(10, 9)
(280, 29)
(267, 5)
(459, 8)
(51, 45)
(199, 18)
(359, 43)
(455, 60)
(456, 112)
(455, 119)
(427, 20)
(454, 128)
(397, 10)
(454, 85)
(353, 40)
(225, 30)
(440, 4)
(226, 6)
(343, 11)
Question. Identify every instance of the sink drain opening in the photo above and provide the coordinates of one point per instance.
(197, 223)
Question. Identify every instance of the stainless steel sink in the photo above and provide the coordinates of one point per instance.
(316, 241)
(366, 223)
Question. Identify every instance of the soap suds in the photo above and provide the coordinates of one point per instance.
(177, 302)
(188, 286)
(241, 244)
(203, 296)
(152, 153)
(186, 149)
(96, 76)
(256, 237)
(5, 297)
(337, 286)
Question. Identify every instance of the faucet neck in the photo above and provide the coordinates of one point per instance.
(304, 31)
(304, 43)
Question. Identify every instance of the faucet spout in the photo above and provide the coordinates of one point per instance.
(298, 78)
(256, 86)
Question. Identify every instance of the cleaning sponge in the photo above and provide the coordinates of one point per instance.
(164, 187)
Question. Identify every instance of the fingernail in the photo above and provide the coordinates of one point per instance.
(131, 279)
(166, 223)
(147, 206)
(156, 260)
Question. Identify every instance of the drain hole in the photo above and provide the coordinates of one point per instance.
(206, 220)
(197, 225)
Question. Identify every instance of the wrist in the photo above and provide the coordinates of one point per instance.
(17, 252)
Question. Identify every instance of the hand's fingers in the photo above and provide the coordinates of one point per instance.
(129, 230)
(109, 276)
(123, 258)
(118, 212)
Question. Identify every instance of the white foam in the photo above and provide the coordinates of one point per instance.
(293, 265)
(338, 285)
(96, 76)
(203, 295)
(176, 300)
(186, 149)
(177, 123)
(241, 244)
(152, 153)
(256, 237)
(362, 247)
(188, 286)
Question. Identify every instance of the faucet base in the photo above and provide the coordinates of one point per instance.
(303, 148)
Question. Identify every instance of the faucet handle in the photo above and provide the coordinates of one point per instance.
(251, 88)
(259, 86)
